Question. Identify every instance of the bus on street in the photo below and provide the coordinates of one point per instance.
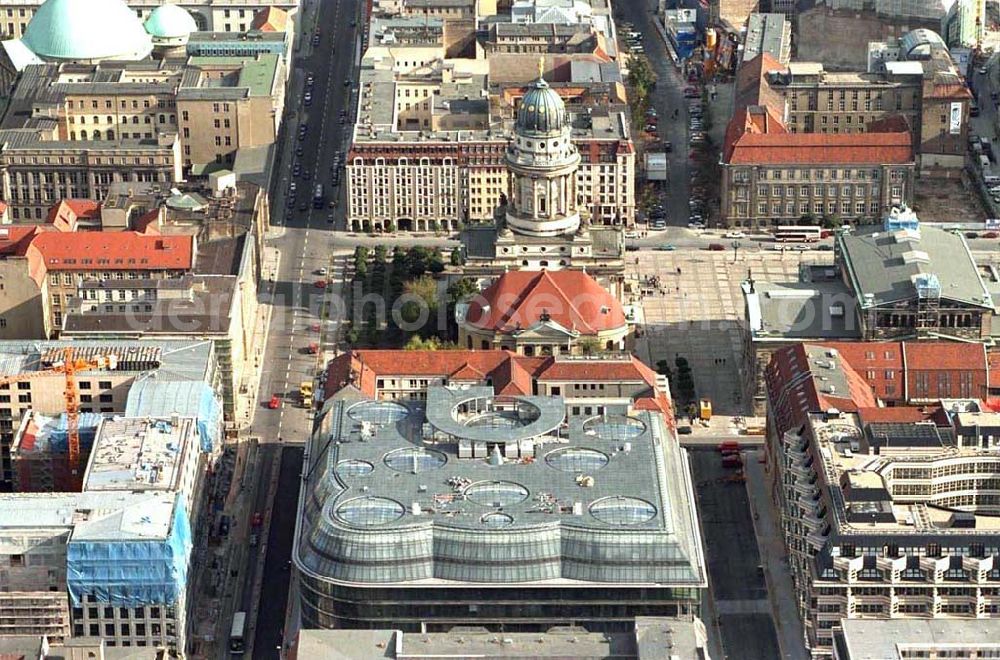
(236, 634)
(796, 234)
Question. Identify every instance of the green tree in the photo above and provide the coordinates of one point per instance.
(457, 258)
(462, 289)
(380, 254)
(589, 346)
(830, 222)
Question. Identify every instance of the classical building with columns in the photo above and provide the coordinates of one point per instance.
(541, 222)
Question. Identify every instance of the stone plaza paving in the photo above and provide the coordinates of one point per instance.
(697, 311)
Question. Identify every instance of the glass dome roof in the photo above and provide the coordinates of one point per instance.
(86, 30)
(170, 22)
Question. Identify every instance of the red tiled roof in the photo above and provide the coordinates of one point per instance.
(938, 356)
(14, 239)
(822, 149)
(270, 19)
(632, 370)
(510, 373)
(571, 298)
(125, 250)
(901, 414)
(64, 215)
(752, 86)
(756, 136)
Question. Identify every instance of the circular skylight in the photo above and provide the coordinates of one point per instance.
(614, 427)
(497, 520)
(576, 459)
(621, 510)
(495, 421)
(496, 493)
(353, 467)
(378, 412)
(414, 460)
(370, 511)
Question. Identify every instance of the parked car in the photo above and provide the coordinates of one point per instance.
(666, 247)
(716, 247)
(734, 234)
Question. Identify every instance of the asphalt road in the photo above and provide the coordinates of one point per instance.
(738, 590)
(302, 236)
(666, 97)
(274, 589)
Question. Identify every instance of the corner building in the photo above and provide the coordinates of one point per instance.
(495, 511)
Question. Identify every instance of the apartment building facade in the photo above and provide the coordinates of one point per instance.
(928, 93)
(885, 511)
(134, 121)
(36, 171)
(425, 183)
(772, 177)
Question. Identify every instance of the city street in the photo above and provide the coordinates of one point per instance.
(311, 268)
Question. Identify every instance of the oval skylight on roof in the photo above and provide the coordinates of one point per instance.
(497, 520)
(496, 493)
(354, 468)
(623, 511)
(614, 427)
(414, 460)
(370, 511)
(378, 412)
(576, 459)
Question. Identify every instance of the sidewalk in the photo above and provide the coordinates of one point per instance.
(770, 540)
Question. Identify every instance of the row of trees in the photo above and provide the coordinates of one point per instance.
(389, 276)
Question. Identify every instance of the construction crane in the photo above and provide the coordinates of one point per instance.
(68, 366)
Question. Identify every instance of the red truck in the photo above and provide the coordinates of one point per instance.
(732, 461)
(728, 446)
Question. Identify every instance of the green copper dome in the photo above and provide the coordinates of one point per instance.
(170, 22)
(542, 111)
(86, 30)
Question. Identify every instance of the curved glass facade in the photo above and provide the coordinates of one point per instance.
(394, 528)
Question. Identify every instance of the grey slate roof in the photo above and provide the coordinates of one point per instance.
(882, 265)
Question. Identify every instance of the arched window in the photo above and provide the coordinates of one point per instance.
(111, 134)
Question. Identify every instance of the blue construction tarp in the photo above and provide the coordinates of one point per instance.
(131, 573)
(154, 398)
(56, 431)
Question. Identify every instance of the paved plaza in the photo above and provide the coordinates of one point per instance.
(695, 310)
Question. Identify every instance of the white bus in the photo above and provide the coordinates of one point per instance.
(794, 234)
(236, 633)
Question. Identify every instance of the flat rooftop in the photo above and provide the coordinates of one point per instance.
(91, 516)
(800, 310)
(139, 453)
(171, 360)
(863, 464)
(887, 639)
(684, 636)
(519, 467)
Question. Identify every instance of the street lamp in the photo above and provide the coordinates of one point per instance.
(736, 249)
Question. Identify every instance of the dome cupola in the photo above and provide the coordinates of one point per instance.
(542, 111)
(86, 31)
(170, 25)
